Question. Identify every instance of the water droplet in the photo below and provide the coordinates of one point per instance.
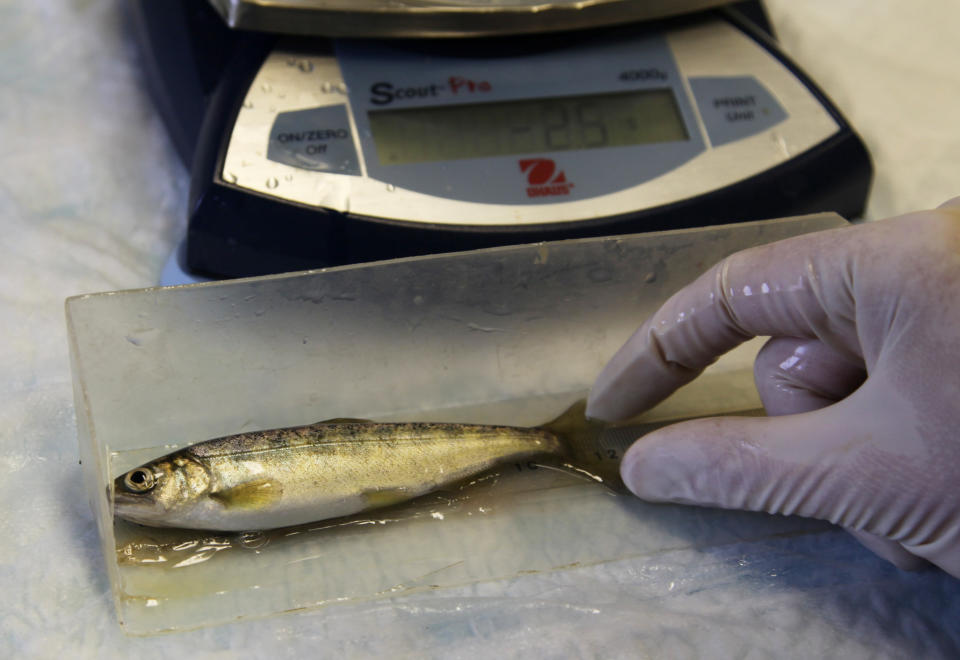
(248, 104)
(288, 178)
(267, 87)
(325, 87)
(272, 182)
(230, 177)
(306, 66)
(253, 540)
(651, 277)
(391, 187)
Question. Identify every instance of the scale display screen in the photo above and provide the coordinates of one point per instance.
(563, 123)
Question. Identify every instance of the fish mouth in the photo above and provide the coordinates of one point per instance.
(121, 499)
(134, 509)
(126, 504)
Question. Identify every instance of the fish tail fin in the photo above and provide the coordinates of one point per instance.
(579, 437)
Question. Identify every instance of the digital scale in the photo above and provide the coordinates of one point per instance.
(328, 133)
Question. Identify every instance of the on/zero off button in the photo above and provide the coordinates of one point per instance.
(735, 107)
(317, 139)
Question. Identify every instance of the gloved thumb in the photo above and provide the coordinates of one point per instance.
(793, 464)
(805, 464)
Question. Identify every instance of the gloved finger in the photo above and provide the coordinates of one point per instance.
(798, 375)
(800, 287)
(812, 464)
(941, 551)
(892, 551)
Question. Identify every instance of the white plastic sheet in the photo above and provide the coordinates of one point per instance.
(91, 199)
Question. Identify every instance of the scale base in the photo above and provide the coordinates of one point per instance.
(175, 272)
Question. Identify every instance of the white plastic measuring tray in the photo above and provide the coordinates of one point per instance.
(509, 335)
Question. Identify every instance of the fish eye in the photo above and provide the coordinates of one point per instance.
(139, 480)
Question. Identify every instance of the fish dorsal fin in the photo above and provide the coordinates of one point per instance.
(345, 420)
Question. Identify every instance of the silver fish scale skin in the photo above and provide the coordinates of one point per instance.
(278, 478)
(321, 471)
(336, 462)
(327, 434)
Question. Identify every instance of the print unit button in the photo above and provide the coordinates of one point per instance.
(735, 107)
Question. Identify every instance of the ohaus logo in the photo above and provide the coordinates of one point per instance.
(543, 177)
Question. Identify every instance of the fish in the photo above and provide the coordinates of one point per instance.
(339, 467)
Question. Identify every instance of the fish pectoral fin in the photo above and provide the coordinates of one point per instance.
(252, 495)
(383, 497)
(345, 420)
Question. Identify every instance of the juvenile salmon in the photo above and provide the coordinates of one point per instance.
(278, 478)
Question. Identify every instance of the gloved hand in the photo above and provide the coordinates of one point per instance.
(861, 379)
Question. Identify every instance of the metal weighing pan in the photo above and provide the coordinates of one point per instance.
(430, 18)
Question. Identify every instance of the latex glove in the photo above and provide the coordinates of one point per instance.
(861, 378)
